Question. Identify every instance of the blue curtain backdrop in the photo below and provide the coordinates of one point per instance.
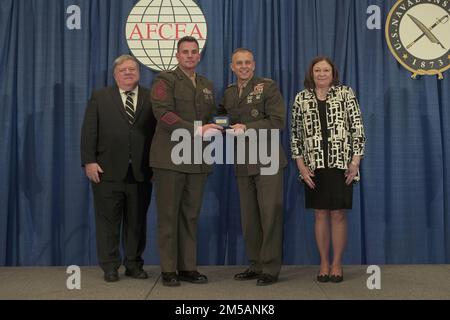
(401, 210)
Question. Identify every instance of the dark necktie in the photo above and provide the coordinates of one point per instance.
(129, 106)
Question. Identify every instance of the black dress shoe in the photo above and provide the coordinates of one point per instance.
(266, 279)
(192, 277)
(111, 276)
(247, 275)
(170, 279)
(323, 278)
(136, 273)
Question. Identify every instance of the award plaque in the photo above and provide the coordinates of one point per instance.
(223, 121)
(221, 118)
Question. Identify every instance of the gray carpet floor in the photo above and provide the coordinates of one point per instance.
(408, 282)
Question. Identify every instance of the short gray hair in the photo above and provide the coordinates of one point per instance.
(121, 59)
(239, 50)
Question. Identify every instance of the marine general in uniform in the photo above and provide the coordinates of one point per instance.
(256, 103)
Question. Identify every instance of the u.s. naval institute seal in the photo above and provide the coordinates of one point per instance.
(418, 35)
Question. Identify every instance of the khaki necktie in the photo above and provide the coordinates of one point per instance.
(193, 80)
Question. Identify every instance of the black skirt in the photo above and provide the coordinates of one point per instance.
(331, 192)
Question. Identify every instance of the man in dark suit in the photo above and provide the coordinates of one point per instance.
(115, 143)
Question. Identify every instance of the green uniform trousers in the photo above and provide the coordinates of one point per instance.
(178, 199)
(261, 199)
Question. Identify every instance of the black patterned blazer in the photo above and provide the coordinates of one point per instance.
(344, 125)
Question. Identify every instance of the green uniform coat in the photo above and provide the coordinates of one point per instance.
(260, 106)
(179, 187)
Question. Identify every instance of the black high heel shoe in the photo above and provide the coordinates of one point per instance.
(323, 278)
(335, 278)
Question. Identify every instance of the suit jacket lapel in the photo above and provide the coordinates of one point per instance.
(140, 103)
(118, 102)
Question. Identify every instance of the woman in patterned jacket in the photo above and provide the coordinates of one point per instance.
(327, 144)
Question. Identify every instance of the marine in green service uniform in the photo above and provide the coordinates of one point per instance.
(256, 103)
(179, 98)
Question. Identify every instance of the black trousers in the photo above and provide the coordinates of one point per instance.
(121, 207)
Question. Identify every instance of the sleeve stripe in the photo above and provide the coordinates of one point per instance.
(170, 118)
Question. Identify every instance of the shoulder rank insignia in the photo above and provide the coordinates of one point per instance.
(159, 90)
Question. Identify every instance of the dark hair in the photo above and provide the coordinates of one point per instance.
(309, 76)
(187, 39)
